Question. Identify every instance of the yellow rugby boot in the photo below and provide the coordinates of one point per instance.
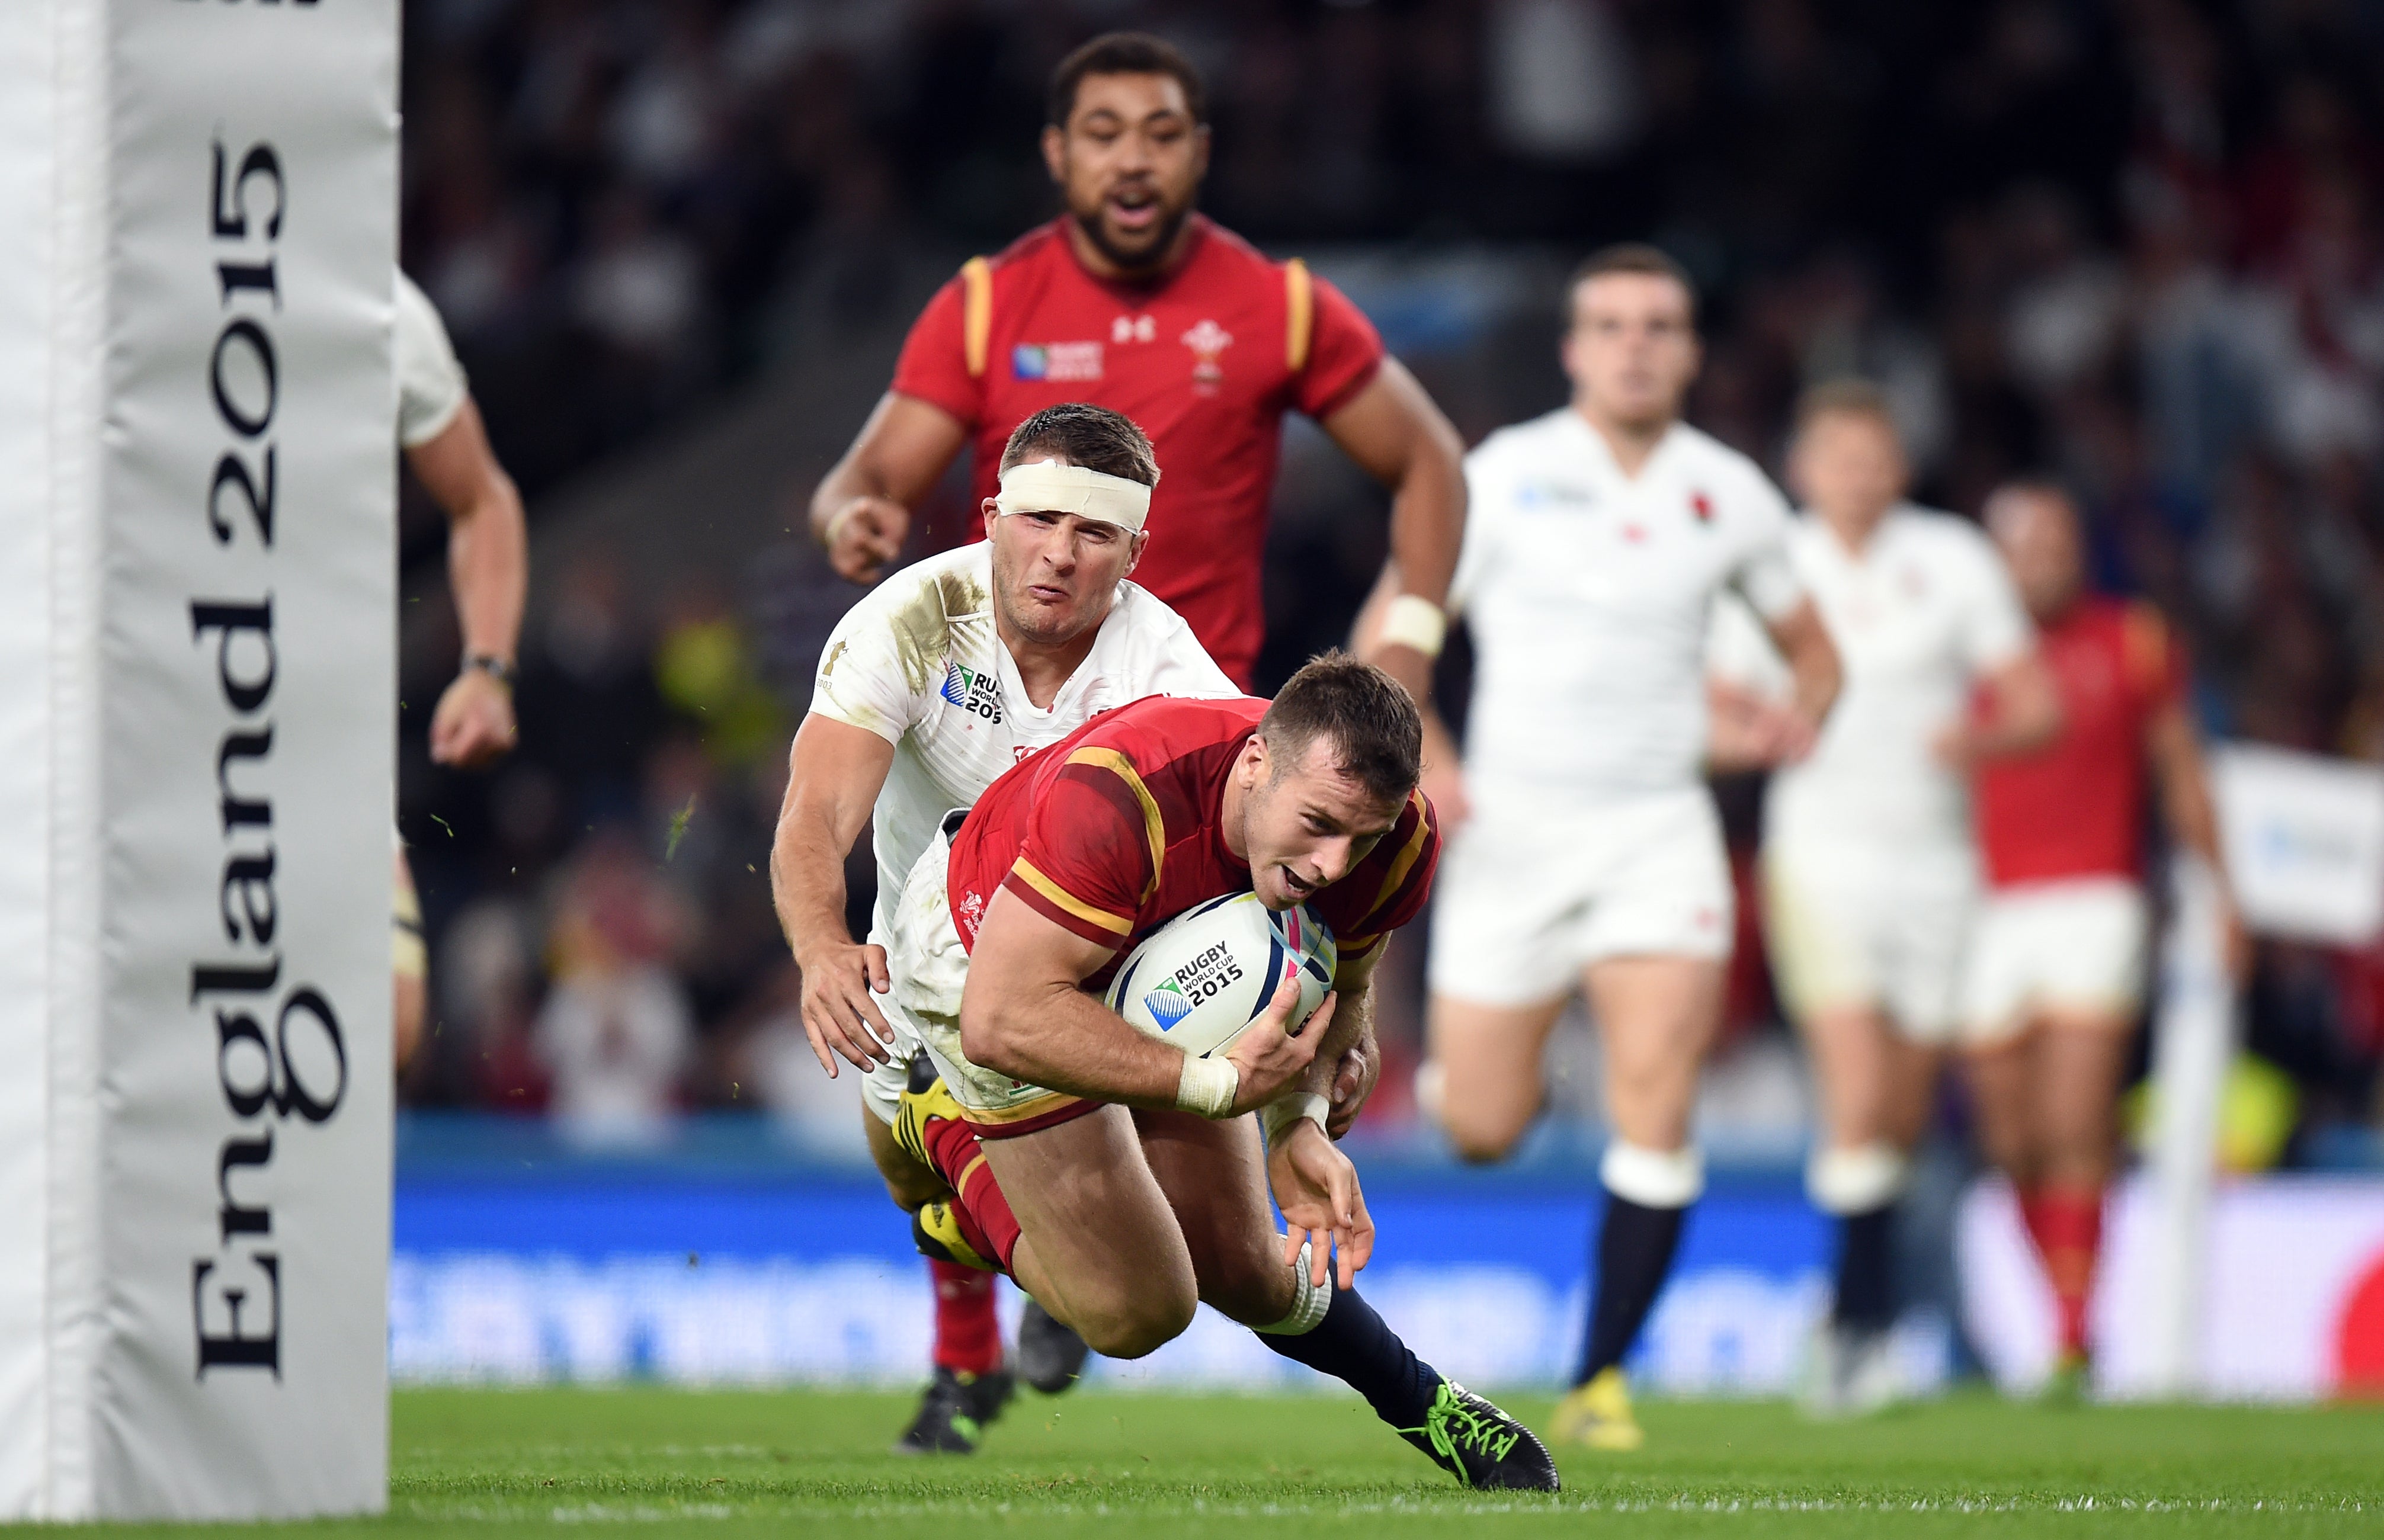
(925, 1099)
(1598, 1415)
(936, 1233)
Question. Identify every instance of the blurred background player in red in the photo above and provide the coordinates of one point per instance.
(1132, 301)
(2057, 967)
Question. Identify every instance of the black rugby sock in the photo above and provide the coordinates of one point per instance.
(1866, 1300)
(1635, 1255)
(1354, 1346)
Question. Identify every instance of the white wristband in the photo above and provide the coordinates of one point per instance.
(1209, 1087)
(1277, 1116)
(1411, 621)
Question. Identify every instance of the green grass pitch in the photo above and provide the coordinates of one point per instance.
(806, 1463)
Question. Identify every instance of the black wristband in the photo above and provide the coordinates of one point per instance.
(492, 665)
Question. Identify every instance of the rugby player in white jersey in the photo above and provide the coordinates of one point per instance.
(1870, 869)
(934, 684)
(1591, 856)
(487, 571)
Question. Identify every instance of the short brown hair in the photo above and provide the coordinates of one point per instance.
(1632, 257)
(1366, 716)
(1845, 398)
(1123, 54)
(1093, 437)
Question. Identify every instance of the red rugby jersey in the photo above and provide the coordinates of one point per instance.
(1112, 831)
(2076, 808)
(1206, 361)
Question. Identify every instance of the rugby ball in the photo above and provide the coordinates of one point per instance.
(1200, 980)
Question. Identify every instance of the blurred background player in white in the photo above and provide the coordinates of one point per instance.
(1870, 874)
(1591, 856)
(488, 570)
(941, 678)
(2058, 968)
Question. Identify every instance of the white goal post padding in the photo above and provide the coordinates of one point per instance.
(197, 219)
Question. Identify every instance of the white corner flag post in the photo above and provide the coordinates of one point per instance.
(197, 219)
(2194, 1041)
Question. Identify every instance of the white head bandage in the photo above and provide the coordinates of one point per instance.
(1048, 487)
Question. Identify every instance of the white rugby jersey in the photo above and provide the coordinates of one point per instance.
(1588, 593)
(1920, 616)
(431, 388)
(917, 663)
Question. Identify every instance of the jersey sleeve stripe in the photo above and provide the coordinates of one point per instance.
(1299, 318)
(1154, 827)
(1356, 947)
(1404, 863)
(976, 312)
(1025, 870)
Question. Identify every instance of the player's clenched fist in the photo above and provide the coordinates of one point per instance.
(1269, 1056)
(1316, 1188)
(864, 535)
(839, 1016)
(473, 723)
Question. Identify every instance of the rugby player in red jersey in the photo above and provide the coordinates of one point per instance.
(1132, 301)
(2058, 963)
(1115, 1178)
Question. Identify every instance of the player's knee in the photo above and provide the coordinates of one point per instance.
(1138, 1325)
(1481, 1127)
(1481, 1141)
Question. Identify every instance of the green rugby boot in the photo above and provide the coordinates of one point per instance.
(1481, 1446)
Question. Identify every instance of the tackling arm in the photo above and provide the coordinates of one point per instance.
(1392, 431)
(860, 510)
(1024, 1014)
(488, 569)
(834, 774)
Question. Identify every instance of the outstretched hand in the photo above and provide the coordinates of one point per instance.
(840, 1014)
(1316, 1188)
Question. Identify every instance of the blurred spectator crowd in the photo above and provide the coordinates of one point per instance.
(2135, 243)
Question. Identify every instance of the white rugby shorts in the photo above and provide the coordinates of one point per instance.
(929, 970)
(1530, 893)
(2078, 945)
(1850, 923)
(881, 1088)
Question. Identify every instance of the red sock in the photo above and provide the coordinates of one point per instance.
(2070, 1239)
(2032, 1216)
(968, 1338)
(984, 1213)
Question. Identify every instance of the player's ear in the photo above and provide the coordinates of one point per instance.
(1134, 552)
(991, 510)
(1200, 151)
(1055, 153)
